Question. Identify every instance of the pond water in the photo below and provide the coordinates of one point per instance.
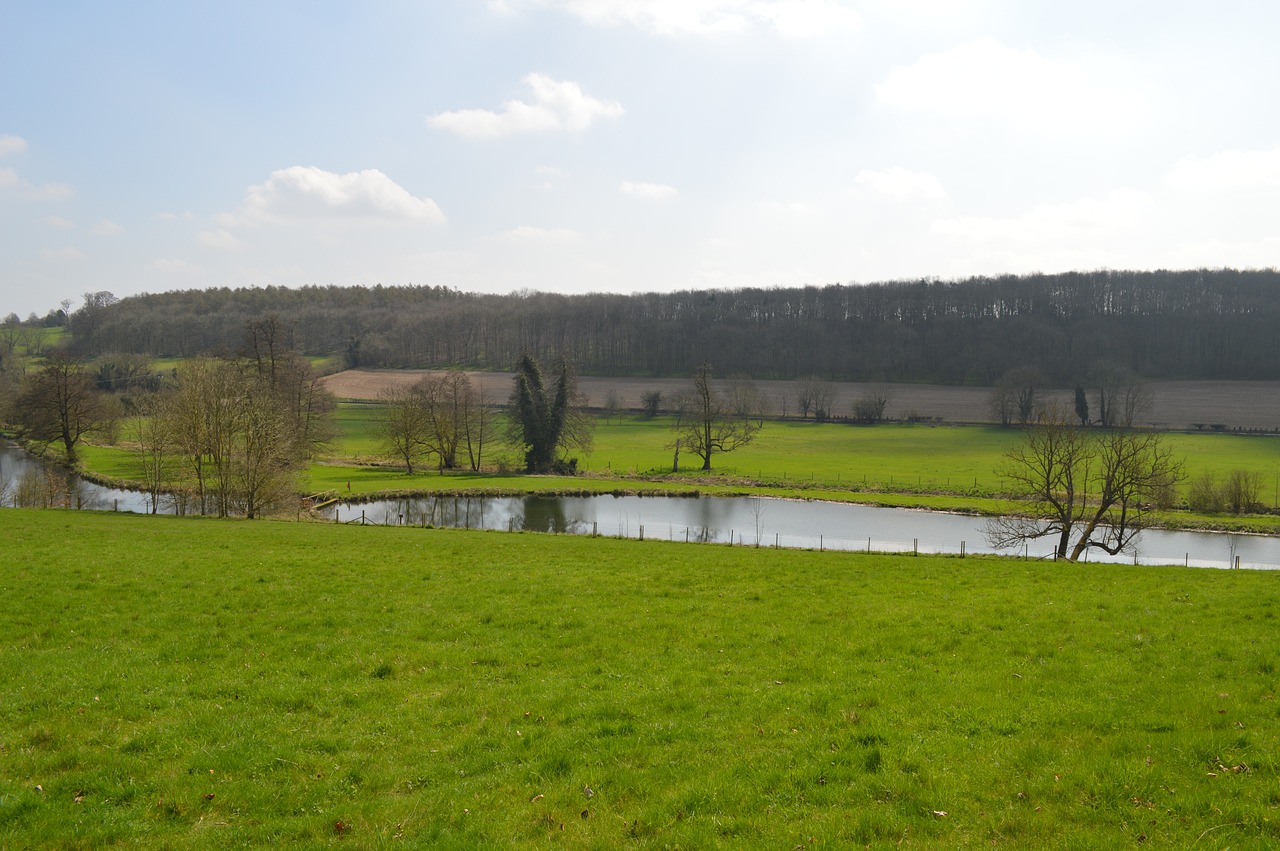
(742, 521)
(754, 521)
(65, 490)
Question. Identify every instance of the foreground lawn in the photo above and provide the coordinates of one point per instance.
(192, 683)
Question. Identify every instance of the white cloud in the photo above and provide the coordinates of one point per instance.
(59, 222)
(10, 145)
(1082, 220)
(1213, 210)
(673, 18)
(1251, 170)
(985, 79)
(221, 239)
(900, 184)
(106, 227)
(9, 179)
(551, 236)
(171, 217)
(647, 191)
(58, 255)
(556, 106)
(309, 195)
(807, 18)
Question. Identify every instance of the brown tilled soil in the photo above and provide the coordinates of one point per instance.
(1175, 404)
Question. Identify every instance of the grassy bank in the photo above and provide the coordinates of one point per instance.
(195, 683)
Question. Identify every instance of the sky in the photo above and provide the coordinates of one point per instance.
(628, 145)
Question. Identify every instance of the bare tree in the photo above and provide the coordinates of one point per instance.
(815, 397)
(746, 400)
(1014, 397)
(706, 423)
(612, 405)
(1086, 489)
(651, 402)
(60, 404)
(479, 425)
(1123, 397)
(402, 426)
(155, 446)
(870, 406)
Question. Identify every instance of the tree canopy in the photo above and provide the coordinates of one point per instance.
(1203, 323)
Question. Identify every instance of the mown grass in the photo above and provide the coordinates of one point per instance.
(188, 683)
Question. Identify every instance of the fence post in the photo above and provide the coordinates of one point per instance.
(776, 537)
(1237, 562)
(962, 543)
(915, 546)
(819, 543)
(595, 528)
(868, 543)
(642, 533)
(362, 517)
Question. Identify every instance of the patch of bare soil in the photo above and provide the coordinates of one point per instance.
(1248, 405)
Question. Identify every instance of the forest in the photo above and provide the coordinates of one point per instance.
(1206, 323)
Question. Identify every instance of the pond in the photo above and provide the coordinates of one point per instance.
(766, 522)
(58, 488)
(742, 521)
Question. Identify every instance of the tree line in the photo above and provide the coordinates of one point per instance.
(1205, 323)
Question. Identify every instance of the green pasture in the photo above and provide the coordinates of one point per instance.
(187, 683)
(889, 457)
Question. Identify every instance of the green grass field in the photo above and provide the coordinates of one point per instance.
(892, 456)
(184, 683)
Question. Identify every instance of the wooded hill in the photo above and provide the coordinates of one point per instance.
(1207, 323)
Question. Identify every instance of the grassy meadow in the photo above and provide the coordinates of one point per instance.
(890, 456)
(187, 683)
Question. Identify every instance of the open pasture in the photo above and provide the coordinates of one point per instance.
(959, 460)
(200, 684)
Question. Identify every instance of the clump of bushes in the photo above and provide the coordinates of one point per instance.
(1239, 493)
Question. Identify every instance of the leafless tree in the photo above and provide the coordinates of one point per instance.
(870, 406)
(651, 402)
(60, 404)
(1014, 398)
(815, 397)
(1086, 489)
(706, 423)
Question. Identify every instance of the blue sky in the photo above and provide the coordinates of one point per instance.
(631, 145)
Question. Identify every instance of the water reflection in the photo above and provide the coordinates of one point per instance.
(754, 521)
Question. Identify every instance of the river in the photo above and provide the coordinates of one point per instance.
(742, 521)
